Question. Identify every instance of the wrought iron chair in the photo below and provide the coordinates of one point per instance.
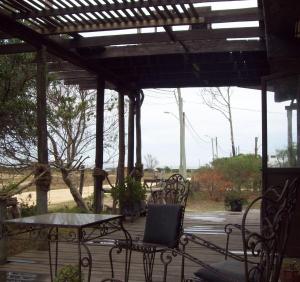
(162, 231)
(263, 251)
(164, 223)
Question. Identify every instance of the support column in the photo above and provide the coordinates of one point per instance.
(298, 129)
(121, 163)
(138, 164)
(3, 240)
(99, 174)
(42, 184)
(130, 156)
(289, 113)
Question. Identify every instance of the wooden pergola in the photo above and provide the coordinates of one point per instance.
(194, 55)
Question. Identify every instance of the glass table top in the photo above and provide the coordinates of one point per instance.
(64, 219)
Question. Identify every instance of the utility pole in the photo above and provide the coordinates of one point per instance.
(289, 111)
(212, 149)
(256, 147)
(217, 153)
(182, 165)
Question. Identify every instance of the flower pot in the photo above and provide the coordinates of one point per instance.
(288, 275)
(131, 209)
(236, 206)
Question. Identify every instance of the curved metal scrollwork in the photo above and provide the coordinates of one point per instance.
(269, 245)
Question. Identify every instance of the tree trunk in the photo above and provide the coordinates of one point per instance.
(74, 191)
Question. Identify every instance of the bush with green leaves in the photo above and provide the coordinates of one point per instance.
(131, 192)
(234, 196)
(69, 273)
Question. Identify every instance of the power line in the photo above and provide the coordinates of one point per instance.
(237, 108)
(193, 129)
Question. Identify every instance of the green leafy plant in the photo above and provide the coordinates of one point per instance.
(69, 273)
(27, 207)
(130, 193)
(234, 200)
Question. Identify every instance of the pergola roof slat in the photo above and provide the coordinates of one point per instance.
(132, 15)
(20, 31)
(142, 58)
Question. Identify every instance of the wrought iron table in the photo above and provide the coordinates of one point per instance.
(69, 228)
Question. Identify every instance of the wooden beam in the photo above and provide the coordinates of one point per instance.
(252, 82)
(171, 61)
(142, 38)
(81, 74)
(195, 47)
(10, 26)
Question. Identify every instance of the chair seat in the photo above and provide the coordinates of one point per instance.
(228, 271)
(142, 246)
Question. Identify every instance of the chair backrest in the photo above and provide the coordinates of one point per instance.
(278, 205)
(175, 191)
(163, 225)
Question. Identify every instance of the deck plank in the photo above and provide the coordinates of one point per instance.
(210, 226)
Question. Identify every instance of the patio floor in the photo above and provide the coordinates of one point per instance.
(33, 264)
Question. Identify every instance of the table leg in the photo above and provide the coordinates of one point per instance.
(148, 263)
(127, 251)
(84, 261)
(53, 237)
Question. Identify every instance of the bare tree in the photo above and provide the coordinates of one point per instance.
(71, 119)
(150, 161)
(219, 99)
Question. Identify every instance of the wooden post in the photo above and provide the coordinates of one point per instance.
(99, 176)
(130, 156)
(81, 179)
(120, 173)
(298, 129)
(3, 240)
(138, 165)
(289, 113)
(42, 187)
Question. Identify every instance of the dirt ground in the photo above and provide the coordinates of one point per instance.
(55, 196)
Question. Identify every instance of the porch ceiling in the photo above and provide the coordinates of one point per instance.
(196, 56)
(281, 18)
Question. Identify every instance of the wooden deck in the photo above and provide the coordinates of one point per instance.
(207, 225)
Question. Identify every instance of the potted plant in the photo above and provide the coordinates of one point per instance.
(290, 271)
(130, 196)
(69, 273)
(234, 200)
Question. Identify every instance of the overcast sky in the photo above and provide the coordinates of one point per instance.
(161, 131)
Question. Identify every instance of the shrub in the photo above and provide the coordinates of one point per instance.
(211, 180)
(129, 193)
(27, 207)
(233, 198)
(69, 273)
